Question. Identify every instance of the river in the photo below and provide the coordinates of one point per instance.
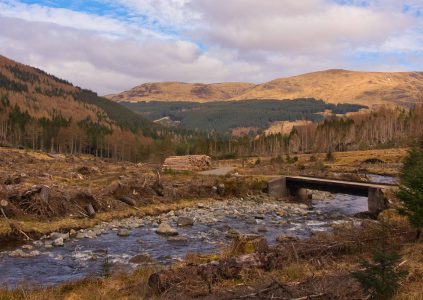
(79, 258)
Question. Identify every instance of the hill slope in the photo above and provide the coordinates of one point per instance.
(41, 111)
(333, 86)
(341, 86)
(180, 91)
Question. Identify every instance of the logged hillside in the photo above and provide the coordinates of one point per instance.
(179, 91)
(43, 112)
(333, 86)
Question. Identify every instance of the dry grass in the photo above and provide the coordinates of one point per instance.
(412, 287)
(119, 286)
(344, 162)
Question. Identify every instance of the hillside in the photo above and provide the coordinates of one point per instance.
(232, 116)
(341, 86)
(180, 91)
(40, 111)
(333, 86)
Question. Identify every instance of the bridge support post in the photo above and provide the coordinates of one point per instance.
(300, 194)
(277, 188)
(376, 200)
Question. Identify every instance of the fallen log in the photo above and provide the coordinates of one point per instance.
(13, 227)
(90, 210)
(127, 200)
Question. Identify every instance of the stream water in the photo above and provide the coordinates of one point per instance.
(79, 258)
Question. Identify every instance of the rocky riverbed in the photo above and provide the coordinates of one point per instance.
(164, 239)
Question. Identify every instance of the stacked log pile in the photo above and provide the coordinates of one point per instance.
(187, 163)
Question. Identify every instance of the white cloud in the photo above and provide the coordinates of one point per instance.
(207, 40)
(287, 26)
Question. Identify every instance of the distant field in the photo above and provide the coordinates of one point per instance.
(226, 115)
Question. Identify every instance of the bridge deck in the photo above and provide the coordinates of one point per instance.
(333, 185)
(341, 182)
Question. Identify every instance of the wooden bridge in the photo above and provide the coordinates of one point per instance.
(297, 186)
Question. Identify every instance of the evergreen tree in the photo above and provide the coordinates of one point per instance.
(380, 277)
(411, 187)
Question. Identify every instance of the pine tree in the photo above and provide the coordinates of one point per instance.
(380, 277)
(411, 187)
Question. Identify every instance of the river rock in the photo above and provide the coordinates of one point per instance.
(27, 247)
(80, 235)
(140, 258)
(17, 253)
(166, 229)
(58, 242)
(123, 232)
(178, 240)
(90, 234)
(38, 243)
(21, 253)
(72, 233)
(185, 221)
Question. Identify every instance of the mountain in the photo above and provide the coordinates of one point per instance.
(332, 86)
(180, 91)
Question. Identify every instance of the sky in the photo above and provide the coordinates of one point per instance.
(111, 46)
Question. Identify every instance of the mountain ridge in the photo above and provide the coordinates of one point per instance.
(333, 86)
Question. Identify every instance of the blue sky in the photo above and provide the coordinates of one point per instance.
(110, 46)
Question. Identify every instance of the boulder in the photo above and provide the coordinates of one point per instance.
(185, 221)
(166, 229)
